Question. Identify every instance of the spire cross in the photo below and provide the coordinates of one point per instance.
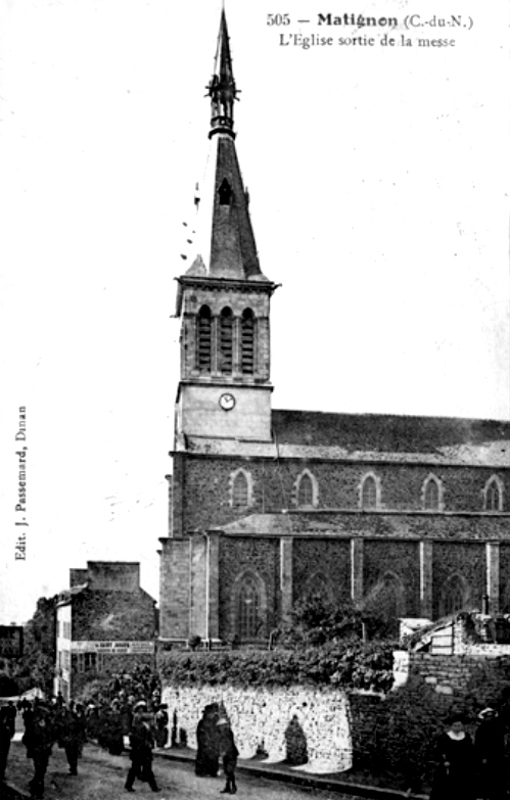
(222, 88)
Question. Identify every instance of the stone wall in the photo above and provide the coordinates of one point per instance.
(450, 674)
(279, 721)
(338, 487)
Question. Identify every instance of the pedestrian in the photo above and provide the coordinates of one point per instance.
(161, 723)
(6, 734)
(208, 756)
(454, 777)
(142, 742)
(490, 755)
(228, 753)
(70, 737)
(38, 739)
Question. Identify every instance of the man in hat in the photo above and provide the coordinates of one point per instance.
(229, 753)
(490, 752)
(142, 742)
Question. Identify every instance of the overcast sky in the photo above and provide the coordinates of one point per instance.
(378, 179)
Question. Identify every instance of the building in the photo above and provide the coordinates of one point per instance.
(105, 624)
(267, 506)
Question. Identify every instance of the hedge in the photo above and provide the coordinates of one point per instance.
(344, 666)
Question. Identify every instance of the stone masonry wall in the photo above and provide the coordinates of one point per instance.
(451, 674)
(338, 487)
(270, 718)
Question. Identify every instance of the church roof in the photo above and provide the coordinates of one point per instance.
(346, 523)
(387, 432)
(370, 437)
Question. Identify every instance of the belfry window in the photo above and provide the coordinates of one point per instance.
(204, 339)
(369, 493)
(247, 342)
(226, 341)
(225, 193)
(248, 621)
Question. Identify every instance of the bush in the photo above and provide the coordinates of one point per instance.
(343, 665)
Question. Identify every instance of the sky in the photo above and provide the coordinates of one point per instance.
(378, 181)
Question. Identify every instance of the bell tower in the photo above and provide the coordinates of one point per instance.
(223, 299)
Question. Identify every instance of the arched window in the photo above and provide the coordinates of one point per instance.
(431, 494)
(248, 610)
(226, 341)
(454, 596)
(240, 490)
(493, 493)
(305, 491)
(204, 339)
(247, 342)
(318, 586)
(369, 492)
(388, 596)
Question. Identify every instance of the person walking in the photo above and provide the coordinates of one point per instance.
(6, 734)
(207, 759)
(454, 777)
(490, 755)
(228, 753)
(142, 742)
(38, 739)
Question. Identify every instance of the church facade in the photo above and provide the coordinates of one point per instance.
(268, 506)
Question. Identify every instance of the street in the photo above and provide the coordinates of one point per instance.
(102, 775)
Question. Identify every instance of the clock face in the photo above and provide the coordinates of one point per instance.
(227, 401)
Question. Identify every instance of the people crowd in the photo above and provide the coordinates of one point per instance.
(128, 706)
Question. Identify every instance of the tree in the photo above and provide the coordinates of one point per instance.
(316, 621)
(37, 665)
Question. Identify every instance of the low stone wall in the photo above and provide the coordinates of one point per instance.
(295, 721)
(449, 674)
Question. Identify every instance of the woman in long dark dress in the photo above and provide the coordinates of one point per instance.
(454, 778)
(207, 760)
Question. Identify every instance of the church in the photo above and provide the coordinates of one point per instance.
(269, 506)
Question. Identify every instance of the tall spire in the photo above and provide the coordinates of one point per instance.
(224, 247)
(222, 87)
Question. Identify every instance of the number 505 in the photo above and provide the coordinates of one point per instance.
(278, 19)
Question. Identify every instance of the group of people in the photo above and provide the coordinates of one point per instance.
(471, 768)
(70, 725)
(215, 741)
(45, 725)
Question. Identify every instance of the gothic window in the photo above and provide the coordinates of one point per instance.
(240, 489)
(248, 602)
(493, 494)
(306, 491)
(226, 341)
(247, 342)
(369, 493)
(225, 193)
(318, 586)
(431, 494)
(454, 596)
(204, 339)
(388, 596)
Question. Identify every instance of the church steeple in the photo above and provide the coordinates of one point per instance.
(222, 87)
(225, 244)
(223, 298)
